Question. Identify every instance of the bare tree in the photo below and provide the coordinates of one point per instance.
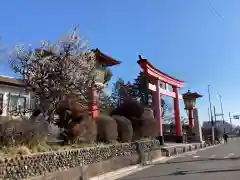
(56, 70)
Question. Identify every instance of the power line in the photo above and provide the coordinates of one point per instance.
(214, 10)
(217, 13)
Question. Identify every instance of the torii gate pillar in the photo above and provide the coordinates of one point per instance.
(155, 78)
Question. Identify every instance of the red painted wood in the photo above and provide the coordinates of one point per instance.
(167, 93)
(164, 78)
(95, 112)
(156, 98)
(94, 107)
(177, 113)
(150, 70)
(191, 120)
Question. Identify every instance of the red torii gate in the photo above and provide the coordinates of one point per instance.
(156, 77)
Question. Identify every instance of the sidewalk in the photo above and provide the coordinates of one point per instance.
(170, 144)
(114, 175)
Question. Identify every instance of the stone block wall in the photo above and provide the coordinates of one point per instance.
(38, 165)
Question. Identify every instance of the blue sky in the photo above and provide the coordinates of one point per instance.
(186, 38)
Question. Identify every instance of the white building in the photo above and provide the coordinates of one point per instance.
(226, 126)
(13, 97)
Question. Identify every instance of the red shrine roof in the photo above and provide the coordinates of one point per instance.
(101, 57)
(105, 59)
(144, 63)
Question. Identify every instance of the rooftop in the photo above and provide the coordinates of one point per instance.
(144, 62)
(10, 81)
(105, 59)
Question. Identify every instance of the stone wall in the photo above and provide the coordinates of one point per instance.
(45, 165)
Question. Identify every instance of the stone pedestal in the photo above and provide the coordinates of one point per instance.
(197, 130)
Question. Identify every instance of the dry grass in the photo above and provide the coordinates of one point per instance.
(21, 150)
(38, 148)
(26, 137)
(12, 151)
(41, 148)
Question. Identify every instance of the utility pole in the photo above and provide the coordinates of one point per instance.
(211, 115)
(230, 119)
(215, 116)
(220, 97)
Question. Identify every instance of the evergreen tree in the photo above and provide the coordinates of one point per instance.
(105, 102)
(140, 88)
(121, 90)
(142, 92)
(117, 93)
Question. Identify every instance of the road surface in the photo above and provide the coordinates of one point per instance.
(221, 162)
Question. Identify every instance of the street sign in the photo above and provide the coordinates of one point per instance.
(236, 116)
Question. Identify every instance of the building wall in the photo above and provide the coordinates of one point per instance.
(220, 126)
(17, 91)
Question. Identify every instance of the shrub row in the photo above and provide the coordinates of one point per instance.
(129, 122)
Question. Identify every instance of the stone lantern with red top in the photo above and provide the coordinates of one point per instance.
(102, 76)
(189, 99)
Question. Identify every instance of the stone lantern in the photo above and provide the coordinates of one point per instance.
(189, 99)
(100, 74)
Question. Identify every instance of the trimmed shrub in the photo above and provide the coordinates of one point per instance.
(125, 129)
(149, 126)
(146, 126)
(133, 111)
(107, 129)
(23, 132)
(83, 131)
(129, 109)
(148, 113)
(137, 124)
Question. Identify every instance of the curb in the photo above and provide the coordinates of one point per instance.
(234, 138)
(135, 168)
(174, 150)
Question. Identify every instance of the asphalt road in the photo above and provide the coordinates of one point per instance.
(221, 162)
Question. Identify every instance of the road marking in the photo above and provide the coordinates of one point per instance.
(212, 156)
(196, 156)
(229, 155)
(192, 153)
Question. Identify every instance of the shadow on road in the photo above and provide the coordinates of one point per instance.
(198, 160)
(181, 173)
(203, 171)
